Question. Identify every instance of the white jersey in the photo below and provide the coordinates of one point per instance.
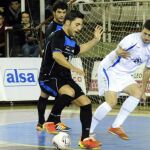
(139, 54)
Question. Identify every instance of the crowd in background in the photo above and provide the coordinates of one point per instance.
(24, 36)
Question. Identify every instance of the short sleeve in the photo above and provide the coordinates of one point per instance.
(57, 43)
(127, 42)
(77, 49)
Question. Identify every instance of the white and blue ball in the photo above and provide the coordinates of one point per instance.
(61, 141)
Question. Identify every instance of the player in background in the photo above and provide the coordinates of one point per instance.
(55, 75)
(114, 76)
(59, 12)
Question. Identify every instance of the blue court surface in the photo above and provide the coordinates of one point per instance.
(22, 136)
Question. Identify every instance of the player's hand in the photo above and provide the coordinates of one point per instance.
(98, 32)
(78, 71)
(122, 53)
(70, 2)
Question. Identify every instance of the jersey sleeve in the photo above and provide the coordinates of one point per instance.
(57, 43)
(77, 49)
(127, 43)
(49, 30)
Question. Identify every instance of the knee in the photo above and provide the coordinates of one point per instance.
(112, 103)
(71, 92)
(83, 100)
(136, 93)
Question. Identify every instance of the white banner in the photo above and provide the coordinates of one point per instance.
(19, 78)
(93, 88)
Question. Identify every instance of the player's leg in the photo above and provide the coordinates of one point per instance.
(65, 97)
(85, 118)
(48, 87)
(106, 87)
(41, 107)
(103, 109)
(127, 107)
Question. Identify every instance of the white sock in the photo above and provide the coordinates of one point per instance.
(99, 114)
(127, 107)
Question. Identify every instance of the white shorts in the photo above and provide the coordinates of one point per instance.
(111, 81)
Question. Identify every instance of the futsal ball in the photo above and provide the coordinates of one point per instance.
(61, 141)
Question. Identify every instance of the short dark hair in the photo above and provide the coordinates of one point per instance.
(60, 5)
(11, 1)
(25, 12)
(147, 24)
(73, 14)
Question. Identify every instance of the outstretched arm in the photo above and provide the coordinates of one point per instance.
(90, 44)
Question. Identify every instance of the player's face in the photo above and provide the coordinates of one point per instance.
(75, 26)
(146, 35)
(59, 15)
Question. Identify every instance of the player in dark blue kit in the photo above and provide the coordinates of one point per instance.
(59, 12)
(55, 75)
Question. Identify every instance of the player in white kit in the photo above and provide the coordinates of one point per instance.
(114, 76)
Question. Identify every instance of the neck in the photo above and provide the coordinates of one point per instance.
(65, 30)
(26, 25)
(57, 21)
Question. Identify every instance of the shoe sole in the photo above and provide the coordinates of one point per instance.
(124, 138)
(96, 148)
(83, 147)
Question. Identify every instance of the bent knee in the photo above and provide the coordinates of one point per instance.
(83, 100)
(68, 91)
(71, 92)
(112, 103)
(137, 93)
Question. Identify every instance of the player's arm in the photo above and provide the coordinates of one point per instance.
(146, 76)
(61, 60)
(122, 53)
(70, 2)
(90, 44)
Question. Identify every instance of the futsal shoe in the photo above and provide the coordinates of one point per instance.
(90, 143)
(39, 127)
(119, 132)
(62, 127)
(50, 127)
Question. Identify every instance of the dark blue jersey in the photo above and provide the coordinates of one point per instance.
(52, 27)
(58, 41)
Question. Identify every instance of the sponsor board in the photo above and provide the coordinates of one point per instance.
(20, 77)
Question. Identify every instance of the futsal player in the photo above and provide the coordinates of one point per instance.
(59, 12)
(114, 76)
(55, 75)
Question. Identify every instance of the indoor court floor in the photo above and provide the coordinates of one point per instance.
(17, 130)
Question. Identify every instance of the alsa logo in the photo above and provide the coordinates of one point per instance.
(20, 77)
